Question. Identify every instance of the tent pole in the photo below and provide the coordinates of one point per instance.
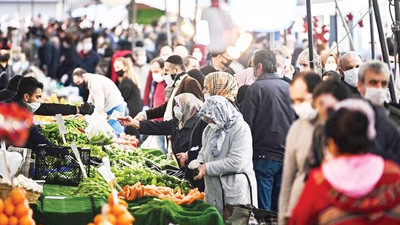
(168, 25)
(310, 35)
(345, 26)
(385, 53)
(396, 31)
(371, 22)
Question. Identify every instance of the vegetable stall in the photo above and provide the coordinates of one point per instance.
(78, 185)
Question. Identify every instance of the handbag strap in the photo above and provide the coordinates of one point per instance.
(222, 187)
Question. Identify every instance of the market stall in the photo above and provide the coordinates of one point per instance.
(88, 162)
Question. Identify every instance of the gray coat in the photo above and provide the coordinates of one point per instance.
(236, 156)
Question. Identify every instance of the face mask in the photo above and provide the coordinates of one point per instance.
(101, 51)
(33, 106)
(168, 80)
(5, 57)
(303, 110)
(206, 96)
(376, 95)
(157, 77)
(178, 113)
(287, 63)
(82, 86)
(330, 67)
(227, 63)
(141, 60)
(87, 47)
(351, 77)
(66, 45)
(120, 73)
(213, 126)
(198, 55)
(279, 71)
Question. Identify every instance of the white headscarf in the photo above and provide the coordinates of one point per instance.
(224, 115)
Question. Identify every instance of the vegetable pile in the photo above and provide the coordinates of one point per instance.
(75, 132)
(138, 190)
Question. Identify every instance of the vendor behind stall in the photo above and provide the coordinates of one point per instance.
(29, 94)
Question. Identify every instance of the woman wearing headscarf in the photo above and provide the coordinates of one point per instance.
(221, 83)
(185, 128)
(352, 186)
(227, 148)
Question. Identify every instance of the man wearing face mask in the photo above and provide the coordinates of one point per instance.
(154, 94)
(103, 94)
(349, 66)
(219, 62)
(280, 64)
(179, 82)
(141, 67)
(373, 80)
(298, 142)
(88, 57)
(267, 110)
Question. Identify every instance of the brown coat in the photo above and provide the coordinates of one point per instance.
(188, 85)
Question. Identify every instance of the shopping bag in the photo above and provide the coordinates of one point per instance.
(98, 131)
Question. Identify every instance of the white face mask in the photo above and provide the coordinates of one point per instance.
(279, 71)
(287, 64)
(101, 51)
(178, 113)
(351, 77)
(168, 80)
(87, 47)
(376, 95)
(213, 126)
(33, 106)
(198, 55)
(157, 77)
(330, 67)
(303, 110)
(141, 60)
(206, 96)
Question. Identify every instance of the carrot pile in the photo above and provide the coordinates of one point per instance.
(138, 190)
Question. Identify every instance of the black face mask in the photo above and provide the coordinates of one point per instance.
(120, 73)
(5, 57)
(82, 85)
(227, 63)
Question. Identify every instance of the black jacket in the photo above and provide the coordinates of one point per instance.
(131, 94)
(267, 109)
(182, 140)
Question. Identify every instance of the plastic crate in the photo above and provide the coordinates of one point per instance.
(58, 165)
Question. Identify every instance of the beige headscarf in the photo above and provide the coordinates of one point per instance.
(223, 84)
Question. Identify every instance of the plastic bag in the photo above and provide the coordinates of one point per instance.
(98, 131)
(14, 162)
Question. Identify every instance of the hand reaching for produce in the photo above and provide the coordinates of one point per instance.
(202, 172)
(86, 108)
(183, 158)
(128, 121)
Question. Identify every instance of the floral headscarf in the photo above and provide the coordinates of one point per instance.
(222, 83)
(224, 115)
(189, 105)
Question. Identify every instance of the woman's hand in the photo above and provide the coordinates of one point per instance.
(128, 121)
(183, 158)
(202, 172)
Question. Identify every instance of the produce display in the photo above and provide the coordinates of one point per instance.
(15, 209)
(146, 175)
(75, 128)
(138, 190)
(129, 168)
(24, 182)
(114, 213)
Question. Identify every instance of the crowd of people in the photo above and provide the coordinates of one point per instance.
(319, 145)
